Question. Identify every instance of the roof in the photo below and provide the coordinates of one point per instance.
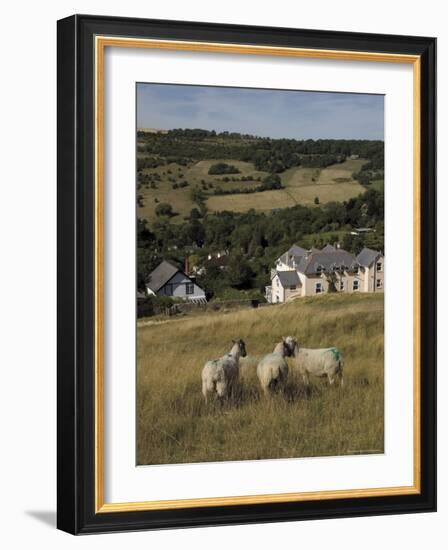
(161, 275)
(319, 261)
(328, 248)
(294, 252)
(367, 256)
(288, 278)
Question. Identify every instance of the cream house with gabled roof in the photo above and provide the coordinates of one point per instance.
(299, 272)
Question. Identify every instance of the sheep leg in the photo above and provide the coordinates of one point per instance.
(266, 391)
(341, 378)
(232, 391)
(205, 393)
(221, 390)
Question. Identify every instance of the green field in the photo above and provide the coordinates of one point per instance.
(302, 186)
(175, 426)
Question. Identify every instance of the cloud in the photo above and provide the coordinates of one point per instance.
(273, 113)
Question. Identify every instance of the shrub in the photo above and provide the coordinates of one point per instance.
(153, 305)
(223, 168)
(164, 209)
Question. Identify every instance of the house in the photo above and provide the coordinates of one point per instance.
(362, 231)
(219, 260)
(285, 286)
(299, 272)
(169, 280)
(372, 265)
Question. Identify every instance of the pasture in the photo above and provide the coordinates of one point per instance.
(285, 198)
(302, 186)
(175, 426)
(194, 175)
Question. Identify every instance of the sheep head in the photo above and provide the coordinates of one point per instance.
(241, 345)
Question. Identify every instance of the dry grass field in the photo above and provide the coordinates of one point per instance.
(285, 198)
(302, 185)
(180, 198)
(175, 426)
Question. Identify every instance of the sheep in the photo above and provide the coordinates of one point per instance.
(324, 362)
(272, 370)
(219, 376)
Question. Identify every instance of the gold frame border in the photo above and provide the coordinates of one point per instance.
(101, 42)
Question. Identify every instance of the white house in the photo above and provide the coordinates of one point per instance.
(299, 272)
(169, 280)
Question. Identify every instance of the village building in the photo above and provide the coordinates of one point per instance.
(372, 266)
(362, 231)
(299, 272)
(219, 260)
(169, 280)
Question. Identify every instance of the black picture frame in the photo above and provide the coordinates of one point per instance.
(76, 256)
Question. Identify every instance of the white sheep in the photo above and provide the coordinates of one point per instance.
(272, 370)
(220, 376)
(324, 362)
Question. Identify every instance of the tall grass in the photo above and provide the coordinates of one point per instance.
(174, 425)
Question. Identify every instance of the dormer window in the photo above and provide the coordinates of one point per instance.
(379, 267)
(356, 269)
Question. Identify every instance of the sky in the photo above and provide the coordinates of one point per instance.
(267, 113)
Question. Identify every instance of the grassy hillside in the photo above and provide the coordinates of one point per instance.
(302, 185)
(174, 425)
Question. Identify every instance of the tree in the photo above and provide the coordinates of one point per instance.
(272, 181)
(164, 209)
(195, 214)
(239, 272)
(223, 168)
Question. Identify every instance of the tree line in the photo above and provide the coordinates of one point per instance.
(270, 155)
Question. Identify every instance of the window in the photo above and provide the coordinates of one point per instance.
(292, 288)
(355, 286)
(342, 285)
(379, 267)
(355, 269)
(318, 288)
(379, 283)
(189, 288)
